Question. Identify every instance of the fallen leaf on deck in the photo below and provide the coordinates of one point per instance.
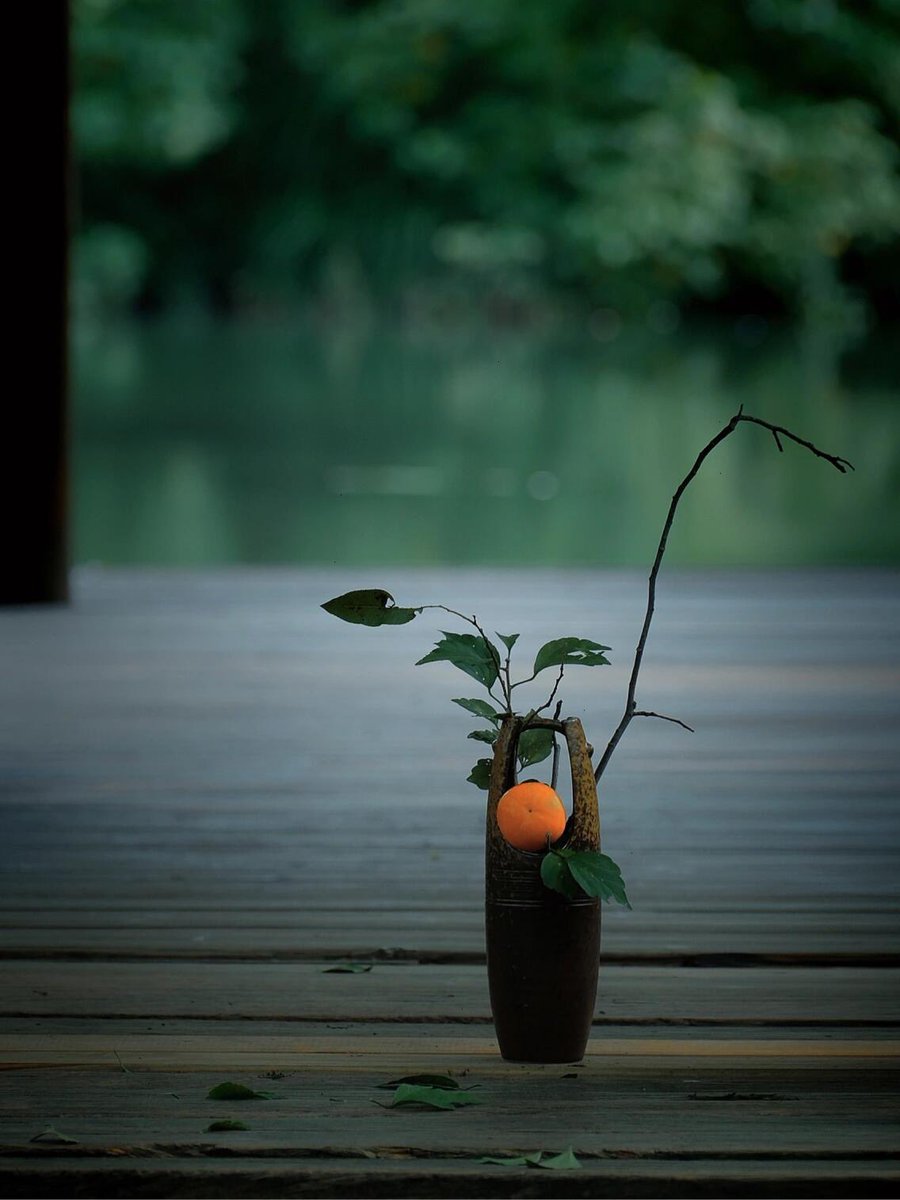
(235, 1091)
(54, 1137)
(566, 1161)
(431, 1097)
(438, 1081)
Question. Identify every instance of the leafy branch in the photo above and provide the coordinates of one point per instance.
(477, 656)
(778, 432)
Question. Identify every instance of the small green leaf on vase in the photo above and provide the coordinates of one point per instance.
(480, 774)
(508, 639)
(598, 875)
(534, 746)
(369, 606)
(484, 735)
(556, 875)
(235, 1091)
(480, 708)
(468, 651)
(570, 651)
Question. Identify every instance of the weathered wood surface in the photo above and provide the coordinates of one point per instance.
(433, 934)
(212, 791)
(436, 992)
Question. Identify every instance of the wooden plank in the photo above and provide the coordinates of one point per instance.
(429, 932)
(610, 1107)
(437, 992)
(373, 1035)
(431, 1175)
(288, 1052)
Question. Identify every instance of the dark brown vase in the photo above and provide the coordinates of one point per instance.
(543, 951)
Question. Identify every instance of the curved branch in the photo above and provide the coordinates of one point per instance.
(777, 431)
(662, 717)
(553, 693)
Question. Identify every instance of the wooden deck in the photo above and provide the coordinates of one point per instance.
(213, 792)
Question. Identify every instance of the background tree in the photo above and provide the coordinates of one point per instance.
(620, 155)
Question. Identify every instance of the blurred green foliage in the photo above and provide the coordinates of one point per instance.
(440, 155)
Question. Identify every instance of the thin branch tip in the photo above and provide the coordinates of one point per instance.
(663, 717)
(778, 432)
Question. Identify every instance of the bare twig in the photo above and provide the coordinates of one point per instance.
(777, 431)
(553, 693)
(662, 717)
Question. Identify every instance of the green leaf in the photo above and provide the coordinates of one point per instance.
(54, 1138)
(480, 774)
(472, 654)
(570, 651)
(553, 1162)
(370, 606)
(353, 968)
(480, 708)
(225, 1126)
(556, 875)
(235, 1091)
(432, 1097)
(598, 875)
(534, 746)
(508, 639)
(561, 1162)
(439, 1081)
(484, 735)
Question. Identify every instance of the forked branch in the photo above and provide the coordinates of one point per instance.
(778, 432)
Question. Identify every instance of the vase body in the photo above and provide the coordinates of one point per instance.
(543, 950)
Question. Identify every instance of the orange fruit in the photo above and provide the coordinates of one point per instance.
(528, 813)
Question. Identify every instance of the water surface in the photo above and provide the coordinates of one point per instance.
(286, 442)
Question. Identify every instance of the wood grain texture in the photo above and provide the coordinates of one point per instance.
(436, 992)
(396, 1173)
(697, 1108)
(384, 929)
(286, 1051)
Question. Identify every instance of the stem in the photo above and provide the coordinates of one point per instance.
(506, 690)
(497, 664)
(777, 431)
(520, 682)
(553, 693)
(663, 717)
(554, 770)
